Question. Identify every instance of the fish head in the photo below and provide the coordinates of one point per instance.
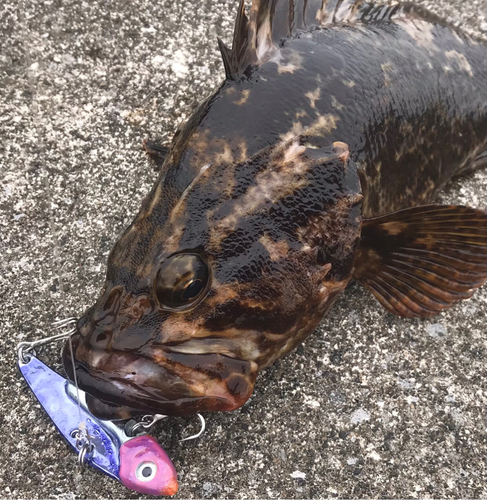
(210, 285)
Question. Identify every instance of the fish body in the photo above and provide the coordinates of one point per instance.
(314, 163)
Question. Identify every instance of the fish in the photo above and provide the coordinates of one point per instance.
(316, 162)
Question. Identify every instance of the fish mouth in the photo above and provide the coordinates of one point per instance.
(132, 384)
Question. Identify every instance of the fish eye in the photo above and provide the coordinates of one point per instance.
(182, 282)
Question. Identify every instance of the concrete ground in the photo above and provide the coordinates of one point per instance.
(370, 406)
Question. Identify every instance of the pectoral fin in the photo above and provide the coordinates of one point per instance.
(157, 152)
(422, 260)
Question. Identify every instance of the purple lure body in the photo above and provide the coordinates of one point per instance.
(139, 463)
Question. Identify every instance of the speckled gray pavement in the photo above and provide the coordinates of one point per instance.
(370, 406)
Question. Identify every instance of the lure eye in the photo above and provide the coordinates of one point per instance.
(182, 282)
(146, 471)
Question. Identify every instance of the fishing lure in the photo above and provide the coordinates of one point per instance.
(121, 450)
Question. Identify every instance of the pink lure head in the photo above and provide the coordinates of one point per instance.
(146, 468)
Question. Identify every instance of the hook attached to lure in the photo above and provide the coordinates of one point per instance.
(136, 460)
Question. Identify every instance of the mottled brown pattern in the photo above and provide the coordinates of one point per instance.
(270, 282)
(332, 112)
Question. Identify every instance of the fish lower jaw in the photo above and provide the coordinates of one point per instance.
(126, 384)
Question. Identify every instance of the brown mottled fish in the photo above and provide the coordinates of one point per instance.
(313, 164)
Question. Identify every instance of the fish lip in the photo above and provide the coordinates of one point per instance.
(107, 390)
(96, 383)
(110, 388)
(105, 386)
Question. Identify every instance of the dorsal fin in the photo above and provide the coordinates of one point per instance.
(258, 36)
(249, 38)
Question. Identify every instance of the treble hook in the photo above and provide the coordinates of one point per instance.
(198, 434)
(146, 423)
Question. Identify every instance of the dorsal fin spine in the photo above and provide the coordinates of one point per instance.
(226, 57)
(254, 38)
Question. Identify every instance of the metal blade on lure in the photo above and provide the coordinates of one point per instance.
(139, 463)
